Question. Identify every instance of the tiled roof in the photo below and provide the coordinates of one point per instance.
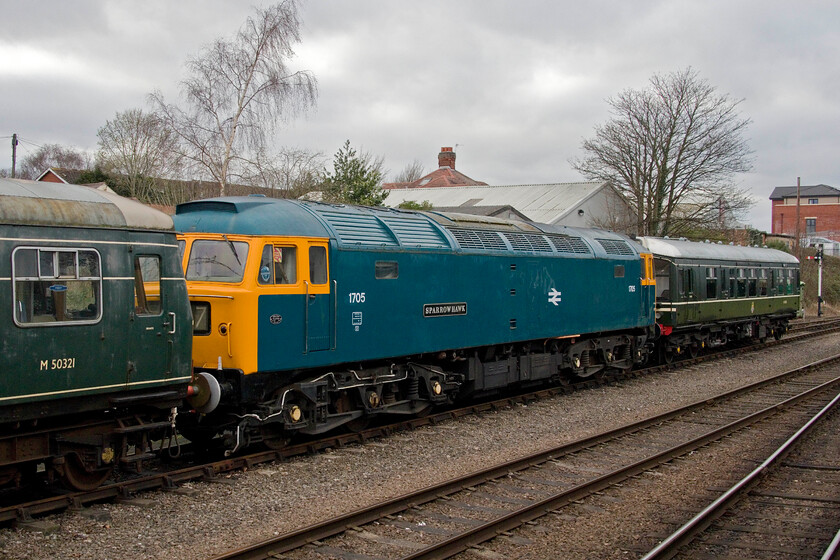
(804, 191)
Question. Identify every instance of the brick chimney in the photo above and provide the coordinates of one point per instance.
(446, 158)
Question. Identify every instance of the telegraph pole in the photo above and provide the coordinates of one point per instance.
(798, 244)
(14, 153)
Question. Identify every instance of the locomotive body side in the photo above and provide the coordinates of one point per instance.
(377, 310)
(95, 328)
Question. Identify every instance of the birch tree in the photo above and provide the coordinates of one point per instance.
(238, 91)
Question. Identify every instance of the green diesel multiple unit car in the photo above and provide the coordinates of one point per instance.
(95, 330)
(708, 294)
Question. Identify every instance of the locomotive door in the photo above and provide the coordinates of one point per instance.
(151, 327)
(319, 315)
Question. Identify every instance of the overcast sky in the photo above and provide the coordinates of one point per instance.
(516, 86)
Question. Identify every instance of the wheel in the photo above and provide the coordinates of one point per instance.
(667, 356)
(74, 475)
(693, 350)
(273, 438)
(357, 424)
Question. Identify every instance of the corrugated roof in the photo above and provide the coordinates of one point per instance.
(546, 203)
(804, 191)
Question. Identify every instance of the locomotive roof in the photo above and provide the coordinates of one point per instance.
(684, 249)
(25, 202)
(362, 226)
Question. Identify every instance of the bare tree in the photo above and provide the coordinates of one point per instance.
(53, 155)
(411, 172)
(291, 173)
(141, 149)
(238, 91)
(672, 150)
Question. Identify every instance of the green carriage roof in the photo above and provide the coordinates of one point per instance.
(696, 250)
(25, 202)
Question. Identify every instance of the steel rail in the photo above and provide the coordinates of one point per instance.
(685, 534)
(454, 545)
(208, 471)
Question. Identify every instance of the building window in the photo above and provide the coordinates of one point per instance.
(810, 226)
(813, 201)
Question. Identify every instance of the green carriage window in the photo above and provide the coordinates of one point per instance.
(147, 294)
(54, 286)
(711, 283)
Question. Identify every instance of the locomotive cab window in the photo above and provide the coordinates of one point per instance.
(220, 260)
(147, 294)
(318, 264)
(278, 265)
(56, 286)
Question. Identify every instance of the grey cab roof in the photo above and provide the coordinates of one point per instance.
(382, 227)
(25, 202)
(696, 250)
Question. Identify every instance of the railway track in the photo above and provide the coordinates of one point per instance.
(171, 477)
(451, 517)
(788, 507)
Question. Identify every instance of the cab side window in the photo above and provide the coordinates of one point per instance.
(318, 265)
(278, 265)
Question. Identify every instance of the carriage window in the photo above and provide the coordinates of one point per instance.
(318, 265)
(688, 283)
(278, 265)
(217, 260)
(56, 286)
(147, 292)
(387, 270)
(711, 283)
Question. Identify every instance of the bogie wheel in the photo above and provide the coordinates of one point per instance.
(693, 350)
(667, 356)
(777, 334)
(74, 475)
(274, 438)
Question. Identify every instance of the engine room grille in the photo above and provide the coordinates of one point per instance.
(415, 232)
(361, 229)
(567, 244)
(616, 247)
(528, 242)
(478, 239)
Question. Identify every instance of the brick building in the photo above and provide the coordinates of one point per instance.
(444, 176)
(819, 211)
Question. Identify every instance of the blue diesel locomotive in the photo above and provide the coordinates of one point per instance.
(308, 316)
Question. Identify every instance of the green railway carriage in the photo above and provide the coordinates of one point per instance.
(95, 335)
(311, 315)
(708, 294)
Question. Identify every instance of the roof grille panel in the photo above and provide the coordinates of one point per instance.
(568, 244)
(616, 247)
(359, 229)
(528, 242)
(415, 232)
(478, 239)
